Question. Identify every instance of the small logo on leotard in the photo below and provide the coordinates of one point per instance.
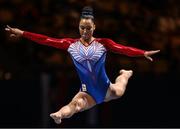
(84, 87)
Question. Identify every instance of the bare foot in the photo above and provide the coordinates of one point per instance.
(57, 117)
(127, 73)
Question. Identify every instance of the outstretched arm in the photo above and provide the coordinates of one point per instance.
(129, 51)
(41, 39)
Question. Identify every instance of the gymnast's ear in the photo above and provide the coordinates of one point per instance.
(94, 27)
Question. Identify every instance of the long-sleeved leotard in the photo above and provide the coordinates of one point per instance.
(89, 61)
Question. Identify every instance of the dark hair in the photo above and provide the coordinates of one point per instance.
(87, 12)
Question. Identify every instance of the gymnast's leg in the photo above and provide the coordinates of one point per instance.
(82, 101)
(117, 89)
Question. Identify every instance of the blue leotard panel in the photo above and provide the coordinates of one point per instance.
(90, 65)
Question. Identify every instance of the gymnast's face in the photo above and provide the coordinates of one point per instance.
(86, 29)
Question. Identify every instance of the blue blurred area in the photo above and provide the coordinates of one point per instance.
(152, 95)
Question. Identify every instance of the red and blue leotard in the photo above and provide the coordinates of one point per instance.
(89, 61)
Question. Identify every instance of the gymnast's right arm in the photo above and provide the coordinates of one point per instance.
(41, 39)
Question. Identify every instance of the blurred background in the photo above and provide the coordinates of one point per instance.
(36, 80)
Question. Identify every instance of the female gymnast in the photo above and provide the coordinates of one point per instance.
(88, 54)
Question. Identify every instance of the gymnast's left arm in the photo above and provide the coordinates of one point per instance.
(129, 51)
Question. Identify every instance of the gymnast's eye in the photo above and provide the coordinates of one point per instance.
(82, 27)
(88, 28)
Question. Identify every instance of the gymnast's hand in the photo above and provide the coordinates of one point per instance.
(148, 54)
(14, 32)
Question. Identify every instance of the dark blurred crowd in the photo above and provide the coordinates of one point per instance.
(145, 24)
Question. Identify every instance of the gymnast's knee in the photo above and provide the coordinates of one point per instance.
(79, 104)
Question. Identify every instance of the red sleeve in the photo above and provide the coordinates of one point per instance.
(45, 40)
(121, 49)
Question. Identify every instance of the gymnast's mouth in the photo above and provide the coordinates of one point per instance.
(85, 36)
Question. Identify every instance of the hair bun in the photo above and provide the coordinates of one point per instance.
(87, 11)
